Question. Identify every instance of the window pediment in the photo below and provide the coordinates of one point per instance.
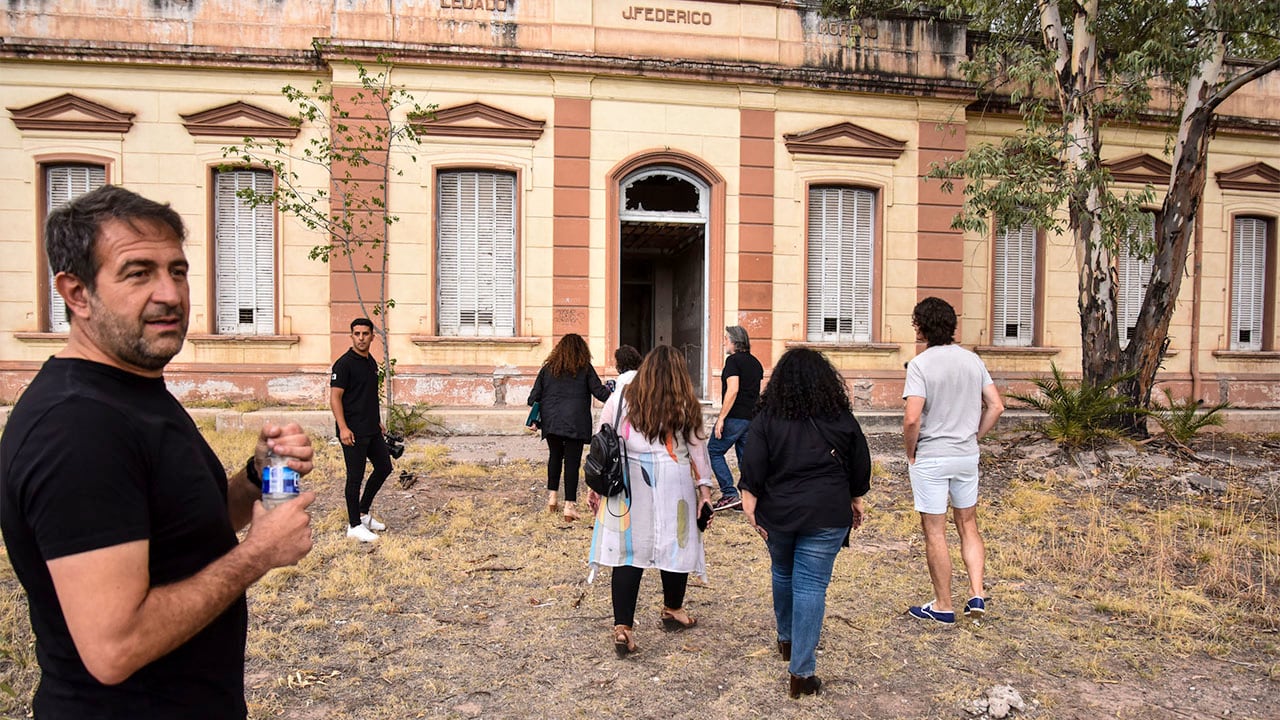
(71, 113)
(1257, 176)
(239, 119)
(844, 139)
(1142, 168)
(479, 120)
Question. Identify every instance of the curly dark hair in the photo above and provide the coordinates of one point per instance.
(569, 357)
(661, 401)
(626, 358)
(804, 384)
(936, 321)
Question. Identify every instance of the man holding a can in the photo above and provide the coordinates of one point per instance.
(118, 518)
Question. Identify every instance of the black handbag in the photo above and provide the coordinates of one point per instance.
(605, 468)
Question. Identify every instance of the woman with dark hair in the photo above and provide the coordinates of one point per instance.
(627, 359)
(669, 476)
(805, 470)
(563, 391)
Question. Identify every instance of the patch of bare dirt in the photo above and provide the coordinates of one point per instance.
(474, 604)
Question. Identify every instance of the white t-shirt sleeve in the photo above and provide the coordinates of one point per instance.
(915, 382)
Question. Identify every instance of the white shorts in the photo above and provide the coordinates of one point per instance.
(933, 480)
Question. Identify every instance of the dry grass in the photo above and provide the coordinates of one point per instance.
(474, 605)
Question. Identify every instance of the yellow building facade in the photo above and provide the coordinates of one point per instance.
(639, 174)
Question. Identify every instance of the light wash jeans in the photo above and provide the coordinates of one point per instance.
(802, 565)
(734, 436)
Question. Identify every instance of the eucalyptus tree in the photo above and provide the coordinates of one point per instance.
(1071, 68)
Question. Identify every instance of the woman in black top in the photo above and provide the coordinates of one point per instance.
(563, 392)
(805, 470)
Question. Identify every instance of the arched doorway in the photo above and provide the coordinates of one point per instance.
(664, 218)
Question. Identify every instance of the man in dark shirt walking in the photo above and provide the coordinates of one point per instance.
(118, 518)
(353, 397)
(739, 392)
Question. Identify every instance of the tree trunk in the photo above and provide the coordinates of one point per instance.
(1174, 227)
(1076, 89)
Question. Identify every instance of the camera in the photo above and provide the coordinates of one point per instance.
(395, 445)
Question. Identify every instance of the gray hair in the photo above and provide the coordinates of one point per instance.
(738, 336)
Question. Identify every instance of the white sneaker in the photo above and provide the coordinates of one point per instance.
(361, 533)
(372, 522)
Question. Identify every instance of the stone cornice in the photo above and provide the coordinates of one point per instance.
(123, 53)
(239, 119)
(479, 120)
(73, 113)
(1000, 107)
(1141, 168)
(729, 72)
(846, 140)
(1257, 177)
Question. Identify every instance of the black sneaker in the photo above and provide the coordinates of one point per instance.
(727, 502)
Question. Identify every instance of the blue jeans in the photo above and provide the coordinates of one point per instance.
(801, 572)
(734, 436)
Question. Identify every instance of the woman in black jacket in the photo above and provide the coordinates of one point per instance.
(804, 472)
(563, 392)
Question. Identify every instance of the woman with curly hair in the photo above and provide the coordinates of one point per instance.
(563, 391)
(805, 470)
(669, 475)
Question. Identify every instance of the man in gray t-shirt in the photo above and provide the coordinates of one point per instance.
(950, 403)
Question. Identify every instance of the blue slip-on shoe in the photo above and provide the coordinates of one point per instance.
(975, 608)
(926, 612)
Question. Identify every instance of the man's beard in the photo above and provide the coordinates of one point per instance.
(128, 341)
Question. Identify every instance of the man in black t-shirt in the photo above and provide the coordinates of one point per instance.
(353, 397)
(118, 518)
(739, 392)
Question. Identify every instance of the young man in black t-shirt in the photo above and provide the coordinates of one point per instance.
(118, 518)
(353, 397)
(739, 392)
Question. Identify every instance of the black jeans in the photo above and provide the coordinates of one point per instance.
(565, 453)
(626, 587)
(374, 449)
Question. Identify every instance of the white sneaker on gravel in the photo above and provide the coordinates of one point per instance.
(361, 533)
(372, 522)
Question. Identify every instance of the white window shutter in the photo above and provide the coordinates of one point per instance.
(244, 255)
(1248, 283)
(841, 269)
(1014, 287)
(476, 250)
(1134, 274)
(63, 184)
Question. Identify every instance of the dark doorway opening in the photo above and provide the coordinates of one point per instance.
(661, 298)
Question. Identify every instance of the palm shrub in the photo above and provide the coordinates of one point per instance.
(1080, 412)
(1182, 419)
(413, 420)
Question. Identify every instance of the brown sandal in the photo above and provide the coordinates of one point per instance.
(623, 643)
(677, 619)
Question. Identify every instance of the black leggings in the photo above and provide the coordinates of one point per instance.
(565, 453)
(370, 447)
(626, 587)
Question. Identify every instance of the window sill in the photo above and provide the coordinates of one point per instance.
(436, 340)
(42, 338)
(866, 348)
(281, 341)
(1260, 355)
(1022, 350)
